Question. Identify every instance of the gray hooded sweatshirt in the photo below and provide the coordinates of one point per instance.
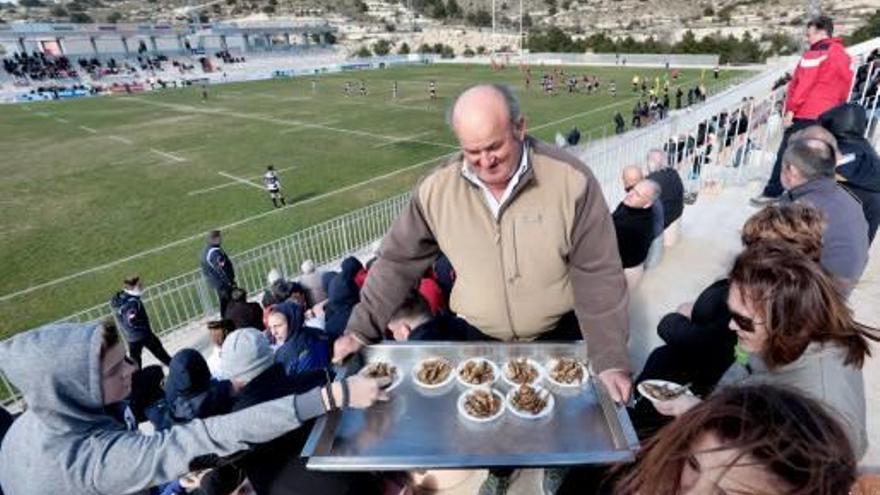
(66, 444)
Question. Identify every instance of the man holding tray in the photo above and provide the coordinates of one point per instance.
(530, 236)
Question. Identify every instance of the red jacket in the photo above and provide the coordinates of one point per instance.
(821, 81)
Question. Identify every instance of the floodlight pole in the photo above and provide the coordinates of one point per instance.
(520, 31)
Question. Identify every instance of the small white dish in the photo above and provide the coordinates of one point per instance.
(548, 408)
(551, 365)
(643, 389)
(538, 368)
(429, 386)
(398, 375)
(464, 396)
(495, 372)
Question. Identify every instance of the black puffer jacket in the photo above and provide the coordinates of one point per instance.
(861, 166)
(342, 297)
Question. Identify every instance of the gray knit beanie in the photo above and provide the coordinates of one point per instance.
(245, 354)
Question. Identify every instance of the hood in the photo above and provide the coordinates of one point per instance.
(64, 391)
(847, 122)
(294, 314)
(188, 376)
(827, 41)
(350, 267)
(119, 299)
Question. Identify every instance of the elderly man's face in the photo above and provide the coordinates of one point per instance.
(491, 144)
(639, 196)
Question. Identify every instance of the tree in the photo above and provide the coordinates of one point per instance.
(480, 18)
(481, 50)
(870, 30)
(59, 11)
(114, 17)
(404, 49)
(80, 18)
(330, 38)
(439, 11)
(363, 52)
(268, 9)
(468, 52)
(382, 47)
(526, 20)
(425, 48)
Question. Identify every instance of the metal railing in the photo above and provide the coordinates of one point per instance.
(186, 299)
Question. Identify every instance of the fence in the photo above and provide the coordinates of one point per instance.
(723, 151)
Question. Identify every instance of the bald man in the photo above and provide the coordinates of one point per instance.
(632, 175)
(530, 236)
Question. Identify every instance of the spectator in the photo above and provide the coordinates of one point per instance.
(273, 276)
(751, 439)
(343, 295)
(299, 348)
(218, 330)
(632, 175)
(821, 81)
(311, 279)
(698, 344)
(218, 270)
(242, 313)
(80, 448)
(131, 315)
(272, 467)
(859, 166)
(808, 176)
(619, 123)
(574, 136)
(413, 320)
(797, 331)
(554, 272)
(191, 393)
(634, 223)
(671, 187)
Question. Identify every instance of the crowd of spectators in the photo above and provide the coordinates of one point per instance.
(38, 67)
(771, 353)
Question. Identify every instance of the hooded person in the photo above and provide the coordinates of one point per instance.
(343, 295)
(68, 443)
(859, 165)
(190, 392)
(300, 348)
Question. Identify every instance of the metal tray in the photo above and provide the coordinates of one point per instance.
(423, 430)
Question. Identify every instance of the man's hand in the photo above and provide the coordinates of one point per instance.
(677, 406)
(344, 347)
(788, 119)
(618, 383)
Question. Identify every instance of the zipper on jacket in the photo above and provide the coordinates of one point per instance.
(515, 253)
(504, 281)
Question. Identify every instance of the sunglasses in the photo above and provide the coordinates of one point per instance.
(745, 324)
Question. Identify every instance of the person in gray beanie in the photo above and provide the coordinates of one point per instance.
(246, 353)
(75, 446)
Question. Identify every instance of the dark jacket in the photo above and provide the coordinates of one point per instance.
(131, 315)
(845, 240)
(671, 193)
(708, 327)
(245, 314)
(342, 296)
(305, 348)
(635, 233)
(190, 392)
(861, 165)
(217, 268)
(275, 468)
(447, 328)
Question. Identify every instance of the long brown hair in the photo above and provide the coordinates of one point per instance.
(798, 303)
(789, 435)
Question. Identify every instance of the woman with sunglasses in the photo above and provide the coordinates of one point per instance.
(69, 442)
(789, 316)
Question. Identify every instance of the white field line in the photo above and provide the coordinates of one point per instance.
(50, 283)
(88, 129)
(63, 121)
(167, 155)
(121, 139)
(298, 129)
(275, 120)
(401, 140)
(234, 183)
(240, 180)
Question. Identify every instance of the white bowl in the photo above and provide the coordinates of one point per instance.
(398, 377)
(532, 362)
(446, 381)
(495, 372)
(551, 402)
(660, 383)
(548, 369)
(463, 397)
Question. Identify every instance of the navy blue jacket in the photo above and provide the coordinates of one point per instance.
(190, 392)
(342, 297)
(305, 348)
(861, 165)
(671, 193)
(217, 268)
(130, 313)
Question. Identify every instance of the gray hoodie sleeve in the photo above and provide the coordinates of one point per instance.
(127, 462)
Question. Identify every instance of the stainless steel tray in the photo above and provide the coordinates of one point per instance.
(423, 430)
